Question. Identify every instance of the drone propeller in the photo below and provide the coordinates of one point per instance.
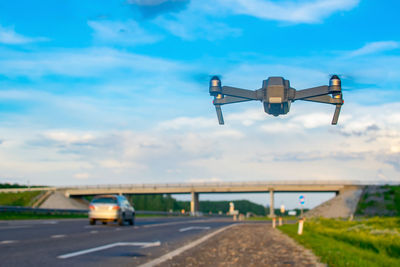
(336, 86)
(219, 114)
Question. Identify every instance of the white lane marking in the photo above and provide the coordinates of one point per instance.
(8, 241)
(86, 251)
(58, 236)
(178, 251)
(94, 232)
(172, 223)
(49, 222)
(194, 228)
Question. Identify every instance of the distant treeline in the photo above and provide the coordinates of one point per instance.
(8, 185)
(167, 203)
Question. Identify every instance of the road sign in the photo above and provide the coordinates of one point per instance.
(302, 200)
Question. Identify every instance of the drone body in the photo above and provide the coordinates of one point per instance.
(277, 95)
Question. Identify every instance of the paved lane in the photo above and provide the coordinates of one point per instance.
(74, 242)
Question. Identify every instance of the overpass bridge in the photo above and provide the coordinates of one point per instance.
(195, 189)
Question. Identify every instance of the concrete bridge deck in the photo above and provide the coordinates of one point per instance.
(196, 188)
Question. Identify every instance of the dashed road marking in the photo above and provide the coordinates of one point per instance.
(58, 236)
(49, 222)
(173, 223)
(8, 241)
(94, 232)
(194, 228)
(86, 251)
(178, 251)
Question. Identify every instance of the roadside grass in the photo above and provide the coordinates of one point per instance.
(22, 199)
(368, 242)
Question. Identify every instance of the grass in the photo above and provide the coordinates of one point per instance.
(22, 199)
(369, 242)
(385, 202)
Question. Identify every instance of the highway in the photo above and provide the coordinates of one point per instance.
(73, 242)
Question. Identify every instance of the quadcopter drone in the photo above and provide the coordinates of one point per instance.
(277, 95)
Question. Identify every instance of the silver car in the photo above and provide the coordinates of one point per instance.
(107, 208)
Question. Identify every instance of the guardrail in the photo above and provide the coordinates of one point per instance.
(40, 210)
(78, 211)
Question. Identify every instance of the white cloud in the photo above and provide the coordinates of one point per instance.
(10, 37)
(128, 32)
(374, 47)
(186, 122)
(83, 63)
(82, 176)
(364, 144)
(289, 11)
(192, 26)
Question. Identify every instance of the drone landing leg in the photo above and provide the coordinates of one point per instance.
(336, 115)
(219, 114)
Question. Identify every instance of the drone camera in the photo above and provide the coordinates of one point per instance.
(215, 87)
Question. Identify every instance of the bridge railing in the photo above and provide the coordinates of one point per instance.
(224, 184)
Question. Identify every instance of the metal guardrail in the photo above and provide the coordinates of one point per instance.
(79, 211)
(40, 210)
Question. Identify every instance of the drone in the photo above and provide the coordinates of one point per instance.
(277, 95)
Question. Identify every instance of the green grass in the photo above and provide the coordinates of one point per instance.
(22, 199)
(369, 242)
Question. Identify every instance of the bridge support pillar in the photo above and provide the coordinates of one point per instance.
(271, 203)
(194, 203)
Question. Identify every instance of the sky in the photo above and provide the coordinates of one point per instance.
(116, 92)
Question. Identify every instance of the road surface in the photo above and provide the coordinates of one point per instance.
(76, 243)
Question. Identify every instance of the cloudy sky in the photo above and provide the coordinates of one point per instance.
(100, 92)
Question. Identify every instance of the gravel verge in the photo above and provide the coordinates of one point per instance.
(247, 245)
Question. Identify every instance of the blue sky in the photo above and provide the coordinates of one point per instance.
(117, 91)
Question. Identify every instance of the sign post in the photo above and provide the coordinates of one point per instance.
(302, 201)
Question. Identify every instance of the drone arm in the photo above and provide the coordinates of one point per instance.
(324, 99)
(311, 92)
(329, 100)
(238, 92)
(229, 100)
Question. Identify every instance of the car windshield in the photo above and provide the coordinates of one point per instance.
(106, 200)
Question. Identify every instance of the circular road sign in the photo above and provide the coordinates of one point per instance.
(302, 200)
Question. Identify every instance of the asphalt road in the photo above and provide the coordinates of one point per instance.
(76, 243)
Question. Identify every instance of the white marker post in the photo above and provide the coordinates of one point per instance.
(301, 221)
(282, 213)
(301, 224)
